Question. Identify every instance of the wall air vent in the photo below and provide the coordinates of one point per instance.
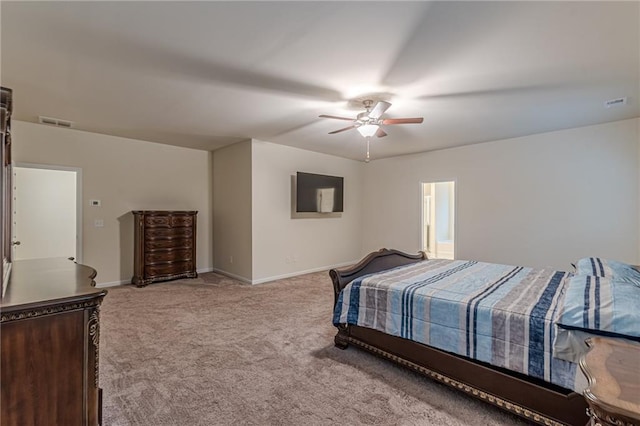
(615, 102)
(55, 122)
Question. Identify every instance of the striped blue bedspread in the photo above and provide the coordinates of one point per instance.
(499, 314)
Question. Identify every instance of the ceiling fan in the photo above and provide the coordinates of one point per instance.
(369, 122)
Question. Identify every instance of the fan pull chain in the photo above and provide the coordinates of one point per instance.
(368, 157)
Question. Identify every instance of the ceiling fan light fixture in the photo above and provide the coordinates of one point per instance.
(368, 130)
(363, 117)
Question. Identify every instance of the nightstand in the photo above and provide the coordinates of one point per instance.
(613, 370)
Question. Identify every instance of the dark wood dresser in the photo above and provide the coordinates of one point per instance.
(50, 335)
(165, 246)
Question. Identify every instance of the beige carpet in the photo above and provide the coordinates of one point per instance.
(212, 351)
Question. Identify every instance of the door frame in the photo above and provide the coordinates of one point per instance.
(455, 212)
(79, 218)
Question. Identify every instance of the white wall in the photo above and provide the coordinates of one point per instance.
(232, 210)
(283, 246)
(541, 200)
(125, 174)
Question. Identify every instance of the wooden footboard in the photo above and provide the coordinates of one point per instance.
(530, 398)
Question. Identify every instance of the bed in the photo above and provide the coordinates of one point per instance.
(441, 319)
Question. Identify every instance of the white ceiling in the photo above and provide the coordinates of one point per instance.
(207, 74)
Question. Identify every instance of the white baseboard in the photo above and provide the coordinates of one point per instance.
(230, 275)
(123, 282)
(245, 279)
(112, 283)
(280, 277)
(307, 271)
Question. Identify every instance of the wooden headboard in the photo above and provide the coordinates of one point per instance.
(377, 261)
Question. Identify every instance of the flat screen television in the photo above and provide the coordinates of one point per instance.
(319, 193)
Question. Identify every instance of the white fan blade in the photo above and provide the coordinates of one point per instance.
(379, 109)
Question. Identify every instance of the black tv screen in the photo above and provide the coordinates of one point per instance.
(318, 193)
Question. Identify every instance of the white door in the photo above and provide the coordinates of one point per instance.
(46, 212)
(438, 219)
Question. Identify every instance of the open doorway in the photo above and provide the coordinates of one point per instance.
(438, 219)
(47, 211)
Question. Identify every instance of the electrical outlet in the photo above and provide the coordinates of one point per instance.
(230, 259)
(98, 223)
(287, 259)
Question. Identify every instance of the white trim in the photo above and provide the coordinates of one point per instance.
(112, 284)
(124, 282)
(244, 279)
(279, 277)
(307, 271)
(424, 245)
(455, 213)
(79, 217)
(230, 275)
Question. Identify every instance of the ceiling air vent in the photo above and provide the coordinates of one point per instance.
(55, 122)
(615, 102)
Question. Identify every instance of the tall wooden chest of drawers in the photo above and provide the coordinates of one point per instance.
(165, 246)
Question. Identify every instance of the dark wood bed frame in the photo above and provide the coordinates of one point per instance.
(530, 398)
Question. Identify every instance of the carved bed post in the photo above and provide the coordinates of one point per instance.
(342, 338)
